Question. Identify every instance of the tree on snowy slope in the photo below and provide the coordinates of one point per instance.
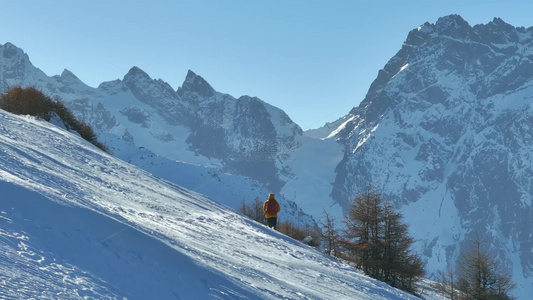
(31, 101)
(379, 244)
(479, 277)
(447, 283)
(330, 235)
(253, 211)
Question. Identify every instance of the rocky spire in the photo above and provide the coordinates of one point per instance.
(195, 84)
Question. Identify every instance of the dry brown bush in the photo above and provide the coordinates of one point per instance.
(31, 101)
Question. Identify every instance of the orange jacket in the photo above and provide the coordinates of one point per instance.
(271, 215)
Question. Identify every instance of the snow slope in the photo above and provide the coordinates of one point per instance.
(78, 223)
(311, 180)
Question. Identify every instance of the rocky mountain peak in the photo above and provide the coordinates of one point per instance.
(195, 84)
(68, 78)
(453, 26)
(9, 51)
(445, 125)
(498, 32)
(499, 23)
(16, 67)
(135, 74)
(472, 54)
(419, 35)
(148, 90)
(68, 74)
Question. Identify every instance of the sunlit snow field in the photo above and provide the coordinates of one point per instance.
(79, 223)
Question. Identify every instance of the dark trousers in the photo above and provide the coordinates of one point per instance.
(271, 222)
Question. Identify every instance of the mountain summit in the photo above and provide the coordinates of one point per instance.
(195, 84)
(445, 132)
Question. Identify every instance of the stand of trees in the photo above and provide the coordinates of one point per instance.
(478, 276)
(31, 101)
(377, 241)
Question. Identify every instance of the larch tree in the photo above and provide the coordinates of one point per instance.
(379, 242)
(479, 276)
(330, 235)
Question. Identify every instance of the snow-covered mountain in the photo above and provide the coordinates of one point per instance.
(77, 223)
(446, 133)
(232, 150)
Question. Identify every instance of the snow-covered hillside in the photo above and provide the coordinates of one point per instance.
(226, 148)
(78, 223)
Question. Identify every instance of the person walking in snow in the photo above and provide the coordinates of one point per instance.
(271, 209)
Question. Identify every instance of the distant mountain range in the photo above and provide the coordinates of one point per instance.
(445, 133)
(228, 149)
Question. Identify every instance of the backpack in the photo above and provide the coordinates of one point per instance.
(271, 207)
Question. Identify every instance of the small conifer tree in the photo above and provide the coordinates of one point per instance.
(379, 242)
(479, 276)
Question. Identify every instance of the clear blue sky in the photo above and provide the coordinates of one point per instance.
(313, 59)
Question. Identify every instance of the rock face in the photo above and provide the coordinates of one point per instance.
(235, 131)
(446, 133)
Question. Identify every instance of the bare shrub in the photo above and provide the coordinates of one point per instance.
(31, 101)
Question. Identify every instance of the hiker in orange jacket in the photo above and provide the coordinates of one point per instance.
(271, 209)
